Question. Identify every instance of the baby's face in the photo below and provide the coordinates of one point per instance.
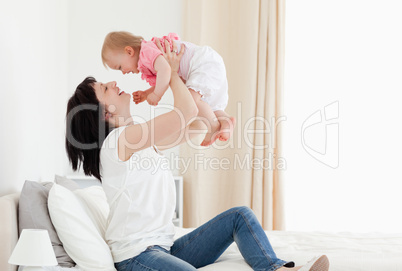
(123, 61)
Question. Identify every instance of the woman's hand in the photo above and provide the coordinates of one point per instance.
(171, 57)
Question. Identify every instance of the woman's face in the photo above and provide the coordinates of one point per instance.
(115, 101)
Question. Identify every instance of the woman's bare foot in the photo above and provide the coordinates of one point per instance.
(320, 263)
(227, 127)
(288, 268)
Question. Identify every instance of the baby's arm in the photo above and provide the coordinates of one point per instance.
(162, 80)
(141, 95)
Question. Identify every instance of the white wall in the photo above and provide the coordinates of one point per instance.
(347, 52)
(33, 53)
(89, 23)
(47, 48)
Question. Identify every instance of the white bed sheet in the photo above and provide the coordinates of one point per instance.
(346, 251)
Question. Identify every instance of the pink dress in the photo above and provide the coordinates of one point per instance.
(149, 52)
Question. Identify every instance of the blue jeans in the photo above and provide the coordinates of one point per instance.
(205, 244)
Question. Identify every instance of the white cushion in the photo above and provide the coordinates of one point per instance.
(80, 237)
(95, 203)
(66, 182)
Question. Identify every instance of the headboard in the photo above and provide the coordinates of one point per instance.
(8, 229)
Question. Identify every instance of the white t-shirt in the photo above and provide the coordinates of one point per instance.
(142, 198)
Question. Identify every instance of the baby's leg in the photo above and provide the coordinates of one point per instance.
(208, 117)
(227, 124)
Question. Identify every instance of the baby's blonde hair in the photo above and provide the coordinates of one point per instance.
(117, 41)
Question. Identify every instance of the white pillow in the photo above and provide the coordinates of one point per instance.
(80, 237)
(67, 183)
(95, 204)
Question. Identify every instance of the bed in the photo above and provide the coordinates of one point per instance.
(346, 251)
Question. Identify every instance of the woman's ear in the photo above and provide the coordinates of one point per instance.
(108, 116)
(110, 119)
(129, 50)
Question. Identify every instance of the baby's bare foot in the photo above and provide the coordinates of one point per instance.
(212, 135)
(227, 127)
(209, 139)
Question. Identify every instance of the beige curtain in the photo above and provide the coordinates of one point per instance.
(249, 34)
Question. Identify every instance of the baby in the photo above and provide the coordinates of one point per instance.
(201, 69)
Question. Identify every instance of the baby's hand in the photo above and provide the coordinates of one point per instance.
(153, 99)
(139, 96)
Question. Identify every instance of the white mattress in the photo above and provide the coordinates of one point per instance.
(346, 251)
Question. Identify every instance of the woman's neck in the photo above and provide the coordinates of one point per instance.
(120, 121)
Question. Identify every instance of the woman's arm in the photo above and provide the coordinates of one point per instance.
(196, 128)
(155, 131)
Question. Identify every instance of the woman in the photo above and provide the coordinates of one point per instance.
(102, 136)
